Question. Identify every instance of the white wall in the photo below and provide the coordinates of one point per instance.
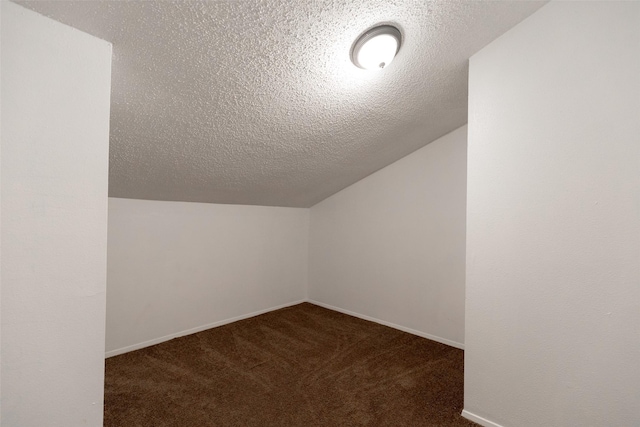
(55, 128)
(553, 228)
(176, 268)
(391, 247)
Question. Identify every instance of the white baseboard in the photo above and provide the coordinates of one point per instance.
(155, 341)
(478, 419)
(391, 325)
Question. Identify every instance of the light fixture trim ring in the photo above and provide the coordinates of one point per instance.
(376, 30)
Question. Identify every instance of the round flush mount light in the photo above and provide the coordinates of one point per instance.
(376, 47)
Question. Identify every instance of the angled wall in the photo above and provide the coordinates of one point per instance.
(553, 221)
(55, 143)
(391, 248)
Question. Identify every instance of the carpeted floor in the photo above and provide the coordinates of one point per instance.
(300, 366)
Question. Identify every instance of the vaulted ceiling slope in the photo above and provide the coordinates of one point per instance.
(257, 102)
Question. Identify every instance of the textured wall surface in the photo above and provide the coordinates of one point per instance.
(55, 141)
(175, 267)
(251, 102)
(392, 246)
(553, 229)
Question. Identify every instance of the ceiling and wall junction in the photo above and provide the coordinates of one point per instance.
(257, 102)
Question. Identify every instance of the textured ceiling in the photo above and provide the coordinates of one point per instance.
(257, 102)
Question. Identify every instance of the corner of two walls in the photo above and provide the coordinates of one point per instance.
(389, 248)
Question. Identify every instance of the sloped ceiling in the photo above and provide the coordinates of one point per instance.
(257, 102)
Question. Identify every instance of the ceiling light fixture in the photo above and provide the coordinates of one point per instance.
(376, 47)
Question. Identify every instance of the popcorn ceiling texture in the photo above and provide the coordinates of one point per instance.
(257, 102)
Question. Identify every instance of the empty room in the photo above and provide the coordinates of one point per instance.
(319, 213)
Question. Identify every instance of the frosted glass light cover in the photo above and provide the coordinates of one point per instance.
(378, 52)
(376, 48)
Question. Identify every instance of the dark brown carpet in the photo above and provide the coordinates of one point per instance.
(299, 366)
